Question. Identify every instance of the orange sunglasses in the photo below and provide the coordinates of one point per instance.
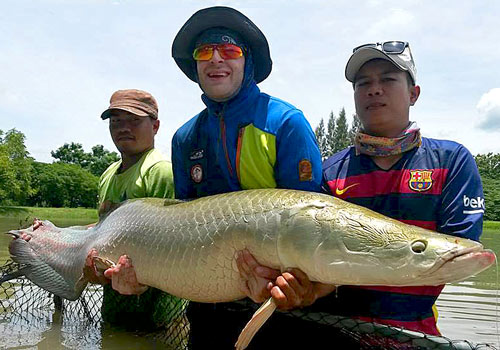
(226, 51)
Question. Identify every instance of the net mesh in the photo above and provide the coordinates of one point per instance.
(30, 315)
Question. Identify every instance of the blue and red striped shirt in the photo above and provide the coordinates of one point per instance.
(436, 186)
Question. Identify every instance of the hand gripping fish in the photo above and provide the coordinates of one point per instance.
(188, 248)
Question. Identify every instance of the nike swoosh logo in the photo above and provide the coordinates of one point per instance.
(340, 192)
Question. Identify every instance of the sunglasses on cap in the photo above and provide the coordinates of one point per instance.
(226, 51)
(389, 47)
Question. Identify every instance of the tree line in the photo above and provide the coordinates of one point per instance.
(72, 179)
(337, 135)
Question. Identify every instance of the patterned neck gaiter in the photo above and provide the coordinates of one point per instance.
(386, 146)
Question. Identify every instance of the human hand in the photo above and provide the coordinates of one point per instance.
(293, 290)
(26, 235)
(91, 272)
(123, 277)
(257, 280)
(106, 207)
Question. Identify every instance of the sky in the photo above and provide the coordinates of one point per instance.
(61, 61)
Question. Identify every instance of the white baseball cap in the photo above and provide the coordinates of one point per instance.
(396, 52)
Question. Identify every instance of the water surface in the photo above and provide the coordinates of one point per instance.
(468, 310)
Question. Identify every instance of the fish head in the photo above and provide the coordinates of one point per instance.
(361, 247)
(38, 227)
(396, 254)
(445, 259)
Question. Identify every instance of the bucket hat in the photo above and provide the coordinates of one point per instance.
(227, 17)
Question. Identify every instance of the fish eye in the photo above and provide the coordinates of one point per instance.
(419, 246)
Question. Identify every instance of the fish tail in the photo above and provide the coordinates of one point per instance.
(38, 271)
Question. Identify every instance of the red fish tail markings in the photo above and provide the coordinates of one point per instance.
(52, 245)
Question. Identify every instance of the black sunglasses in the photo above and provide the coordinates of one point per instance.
(389, 47)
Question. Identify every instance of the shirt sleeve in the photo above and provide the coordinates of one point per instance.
(159, 180)
(463, 205)
(298, 164)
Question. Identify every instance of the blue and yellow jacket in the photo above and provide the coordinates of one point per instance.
(251, 141)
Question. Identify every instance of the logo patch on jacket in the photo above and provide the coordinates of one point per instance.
(305, 170)
(195, 155)
(420, 180)
(197, 173)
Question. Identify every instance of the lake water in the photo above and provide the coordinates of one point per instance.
(468, 310)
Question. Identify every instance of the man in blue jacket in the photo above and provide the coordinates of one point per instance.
(244, 139)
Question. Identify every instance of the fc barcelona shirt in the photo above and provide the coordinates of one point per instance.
(436, 186)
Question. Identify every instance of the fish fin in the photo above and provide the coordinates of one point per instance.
(101, 264)
(169, 201)
(256, 322)
(39, 272)
(301, 207)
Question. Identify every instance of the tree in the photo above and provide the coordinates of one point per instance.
(338, 134)
(63, 185)
(101, 159)
(488, 165)
(15, 168)
(71, 154)
(321, 139)
(330, 134)
(491, 189)
(7, 175)
(489, 168)
(355, 127)
(341, 134)
(96, 162)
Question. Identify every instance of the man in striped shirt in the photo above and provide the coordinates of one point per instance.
(395, 171)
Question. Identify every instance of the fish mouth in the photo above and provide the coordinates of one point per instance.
(463, 262)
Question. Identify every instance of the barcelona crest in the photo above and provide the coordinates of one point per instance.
(420, 180)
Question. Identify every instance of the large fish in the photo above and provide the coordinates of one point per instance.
(188, 248)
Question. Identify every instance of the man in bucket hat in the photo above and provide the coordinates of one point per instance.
(395, 171)
(244, 139)
(142, 172)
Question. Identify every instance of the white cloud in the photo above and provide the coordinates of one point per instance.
(489, 110)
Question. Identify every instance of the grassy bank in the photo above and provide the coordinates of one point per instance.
(492, 225)
(52, 214)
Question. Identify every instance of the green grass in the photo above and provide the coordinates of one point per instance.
(492, 225)
(28, 213)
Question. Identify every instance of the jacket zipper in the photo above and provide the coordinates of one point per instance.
(223, 136)
(241, 131)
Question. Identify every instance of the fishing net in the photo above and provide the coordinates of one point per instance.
(28, 315)
(27, 312)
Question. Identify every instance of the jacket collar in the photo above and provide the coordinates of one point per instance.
(236, 105)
